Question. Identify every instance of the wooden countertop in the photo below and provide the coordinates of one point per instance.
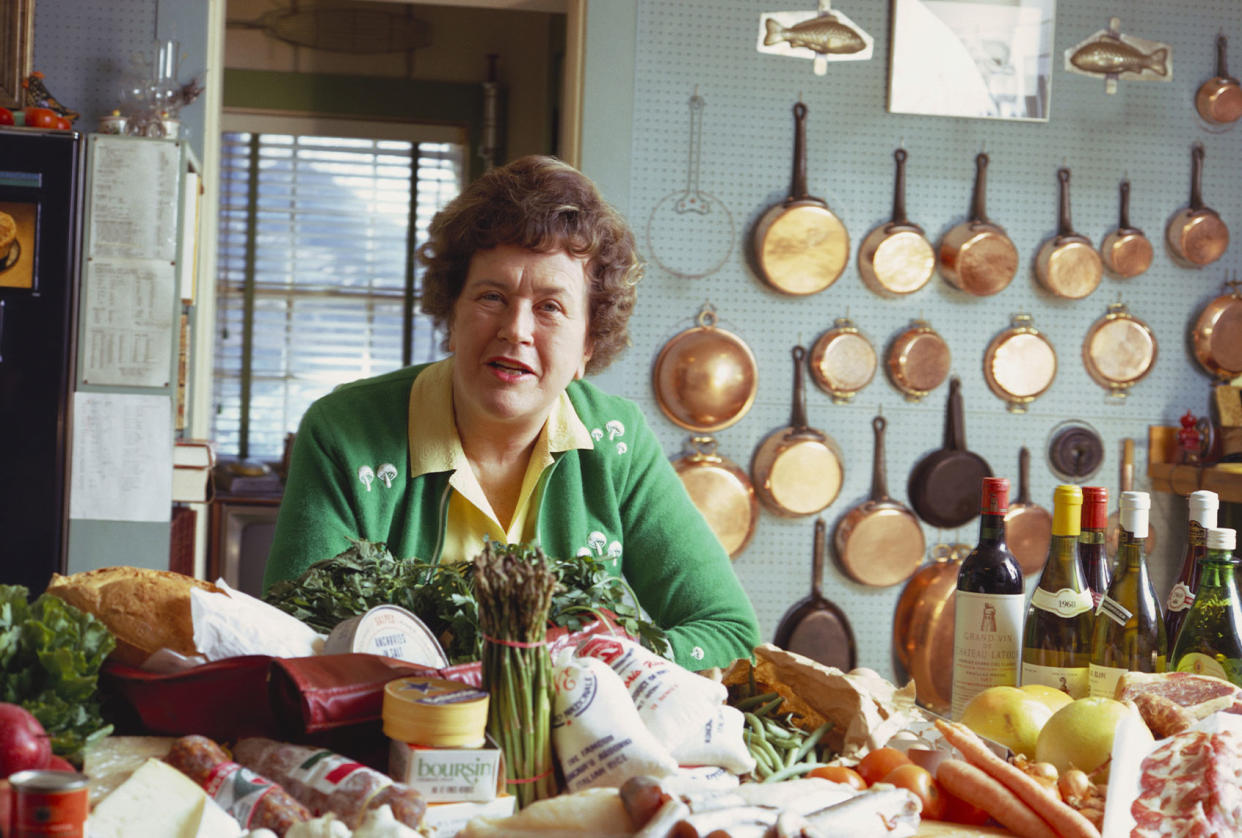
(940, 829)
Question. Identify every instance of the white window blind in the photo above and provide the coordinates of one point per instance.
(315, 258)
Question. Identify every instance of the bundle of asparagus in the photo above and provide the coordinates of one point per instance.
(514, 586)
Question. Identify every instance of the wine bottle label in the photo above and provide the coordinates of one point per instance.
(987, 644)
(1104, 680)
(1196, 534)
(1064, 603)
(1074, 681)
(1201, 664)
(1113, 610)
(1180, 598)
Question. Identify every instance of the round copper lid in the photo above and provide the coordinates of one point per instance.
(918, 361)
(1019, 364)
(1119, 350)
(842, 361)
(705, 378)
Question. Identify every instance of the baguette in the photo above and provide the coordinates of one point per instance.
(146, 610)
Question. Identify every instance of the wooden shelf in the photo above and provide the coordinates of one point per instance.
(1168, 475)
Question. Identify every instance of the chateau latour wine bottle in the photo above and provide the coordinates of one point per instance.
(1203, 506)
(1056, 639)
(1209, 642)
(988, 606)
(1097, 567)
(1129, 626)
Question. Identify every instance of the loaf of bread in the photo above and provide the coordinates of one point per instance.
(145, 609)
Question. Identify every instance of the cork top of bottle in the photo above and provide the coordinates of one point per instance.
(1221, 538)
(995, 497)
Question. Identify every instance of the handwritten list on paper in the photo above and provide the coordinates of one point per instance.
(127, 324)
(122, 457)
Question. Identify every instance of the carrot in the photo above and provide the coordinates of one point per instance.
(1066, 820)
(971, 784)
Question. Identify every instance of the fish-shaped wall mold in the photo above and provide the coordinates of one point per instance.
(1113, 55)
(823, 36)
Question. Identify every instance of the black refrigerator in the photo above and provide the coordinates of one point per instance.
(40, 232)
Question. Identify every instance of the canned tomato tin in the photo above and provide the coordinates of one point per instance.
(49, 803)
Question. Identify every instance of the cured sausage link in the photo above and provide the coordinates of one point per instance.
(253, 800)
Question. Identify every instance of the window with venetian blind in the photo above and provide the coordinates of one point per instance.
(317, 278)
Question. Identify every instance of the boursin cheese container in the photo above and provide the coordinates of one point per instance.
(391, 631)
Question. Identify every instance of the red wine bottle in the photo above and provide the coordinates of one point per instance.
(1092, 552)
(1203, 507)
(988, 606)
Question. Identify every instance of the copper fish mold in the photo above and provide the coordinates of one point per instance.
(821, 36)
(1115, 56)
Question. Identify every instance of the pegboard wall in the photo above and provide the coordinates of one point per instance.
(1145, 131)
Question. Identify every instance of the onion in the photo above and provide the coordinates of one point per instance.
(1074, 785)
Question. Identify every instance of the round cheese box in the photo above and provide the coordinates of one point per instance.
(434, 712)
(391, 631)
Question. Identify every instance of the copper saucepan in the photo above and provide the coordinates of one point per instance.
(1126, 251)
(1119, 350)
(918, 360)
(1217, 336)
(896, 258)
(1196, 235)
(879, 542)
(796, 470)
(842, 361)
(1028, 526)
(1219, 99)
(705, 378)
(800, 246)
(977, 256)
(1068, 264)
(722, 492)
(923, 627)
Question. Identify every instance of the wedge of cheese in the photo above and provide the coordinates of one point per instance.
(184, 810)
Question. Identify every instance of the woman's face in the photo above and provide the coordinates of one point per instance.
(518, 335)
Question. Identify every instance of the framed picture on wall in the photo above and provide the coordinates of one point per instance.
(16, 48)
(988, 59)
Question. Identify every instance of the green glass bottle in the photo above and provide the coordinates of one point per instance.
(1129, 624)
(1056, 639)
(1209, 642)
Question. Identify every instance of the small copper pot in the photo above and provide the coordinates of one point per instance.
(1126, 251)
(1068, 264)
(896, 258)
(1119, 350)
(1196, 235)
(1219, 99)
(1217, 336)
(1019, 364)
(977, 256)
(842, 361)
(918, 360)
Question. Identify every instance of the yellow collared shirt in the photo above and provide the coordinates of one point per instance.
(436, 447)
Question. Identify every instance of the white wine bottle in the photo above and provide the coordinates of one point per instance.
(1129, 626)
(1056, 639)
(1203, 507)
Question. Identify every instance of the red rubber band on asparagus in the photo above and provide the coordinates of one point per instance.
(530, 779)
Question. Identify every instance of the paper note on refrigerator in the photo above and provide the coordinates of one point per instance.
(122, 457)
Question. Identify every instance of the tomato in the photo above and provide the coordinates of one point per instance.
(41, 117)
(62, 123)
(839, 774)
(6, 116)
(878, 763)
(957, 810)
(917, 779)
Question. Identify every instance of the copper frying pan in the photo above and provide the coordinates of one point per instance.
(879, 542)
(1028, 526)
(896, 258)
(1219, 99)
(1113, 529)
(923, 627)
(1196, 235)
(1068, 264)
(815, 626)
(722, 492)
(800, 246)
(945, 486)
(1126, 251)
(796, 470)
(977, 256)
(1217, 336)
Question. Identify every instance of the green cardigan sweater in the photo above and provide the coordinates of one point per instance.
(621, 501)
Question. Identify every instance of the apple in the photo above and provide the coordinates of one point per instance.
(6, 116)
(1054, 698)
(1008, 715)
(1080, 735)
(59, 763)
(23, 741)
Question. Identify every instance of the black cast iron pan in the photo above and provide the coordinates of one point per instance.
(945, 486)
(815, 626)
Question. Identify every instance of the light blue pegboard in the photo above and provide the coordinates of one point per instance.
(1145, 131)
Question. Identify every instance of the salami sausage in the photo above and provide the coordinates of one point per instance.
(255, 801)
(327, 782)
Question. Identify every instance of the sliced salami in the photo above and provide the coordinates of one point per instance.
(1191, 787)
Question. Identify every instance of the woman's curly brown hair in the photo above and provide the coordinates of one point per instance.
(541, 204)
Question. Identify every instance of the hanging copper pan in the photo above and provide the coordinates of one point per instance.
(800, 246)
(816, 627)
(977, 256)
(1219, 99)
(1217, 336)
(1028, 526)
(796, 470)
(705, 378)
(918, 360)
(722, 492)
(945, 486)
(896, 258)
(1019, 364)
(879, 542)
(1126, 251)
(1196, 235)
(923, 627)
(842, 361)
(1119, 350)
(1068, 264)
(1126, 484)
